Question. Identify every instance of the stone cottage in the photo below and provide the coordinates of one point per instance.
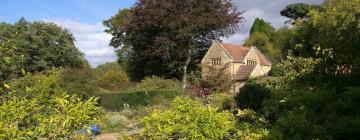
(239, 62)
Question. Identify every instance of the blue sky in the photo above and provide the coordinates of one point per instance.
(84, 19)
(88, 11)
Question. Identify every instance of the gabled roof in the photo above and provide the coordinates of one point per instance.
(239, 52)
(263, 59)
(244, 72)
(236, 52)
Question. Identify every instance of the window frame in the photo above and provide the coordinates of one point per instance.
(215, 61)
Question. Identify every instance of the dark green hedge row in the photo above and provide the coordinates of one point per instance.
(119, 100)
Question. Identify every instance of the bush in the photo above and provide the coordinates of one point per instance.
(35, 106)
(250, 126)
(251, 96)
(221, 101)
(118, 101)
(218, 80)
(188, 119)
(79, 81)
(116, 120)
(156, 83)
(320, 114)
(277, 70)
(112, 76)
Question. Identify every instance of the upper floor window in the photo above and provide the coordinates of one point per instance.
(215, 61)
(251, 62)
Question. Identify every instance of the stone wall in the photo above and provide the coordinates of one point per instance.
(215, 51)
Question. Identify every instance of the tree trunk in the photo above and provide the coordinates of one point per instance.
(188, 59)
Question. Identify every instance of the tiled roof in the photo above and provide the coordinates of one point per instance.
(237, 52)
(263, 59)
(244, 72)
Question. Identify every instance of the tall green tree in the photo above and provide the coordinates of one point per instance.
(284, 40)
(261, 26)
(40, 45)
(332, 35)
(164, 37)
(297, 11)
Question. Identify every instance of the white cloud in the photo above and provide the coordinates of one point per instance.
(90, 39)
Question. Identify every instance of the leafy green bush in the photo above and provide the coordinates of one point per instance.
(251, 96)
(156, 83)
(277, 70)
(112, 76)
(218, 81)
(79, 81)
(221, 101)
(320, 114)
(119, 100)
(250, 126)
(188, 119)
(35, 106)
(116, 120)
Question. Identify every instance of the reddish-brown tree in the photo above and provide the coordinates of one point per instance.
(164, 36)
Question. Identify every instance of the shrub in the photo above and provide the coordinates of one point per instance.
(116, 120)
(117, 101)
(79, 81)
(320, 114)
(35, 106)
(156, 83)
(251, 96)
(221, 101)
(277, 70)
(250, 126)
(112, 76)
(188, 119)
(218, 80)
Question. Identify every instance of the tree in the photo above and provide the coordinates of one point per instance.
(297, 10)
(164, 36)
(260, 26)
(332, 36)
(41, 45)
(112, 76)
(283, 39)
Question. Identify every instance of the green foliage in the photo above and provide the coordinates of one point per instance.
(221, 101)
(277, 70)
(38, 46)
(297, 10)
(283, 39)
(250, 126)
(36, 106)
(260, 26)
(79, 81)
(112, 76)
(218, 81)
(188, 119)
(115, 120)
(320, 114)
(251, 96)
(175, 34)
(10, 62)
(332, 35)
(119, 101)
(156, 83)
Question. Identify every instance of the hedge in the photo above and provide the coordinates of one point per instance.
(118, 100)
